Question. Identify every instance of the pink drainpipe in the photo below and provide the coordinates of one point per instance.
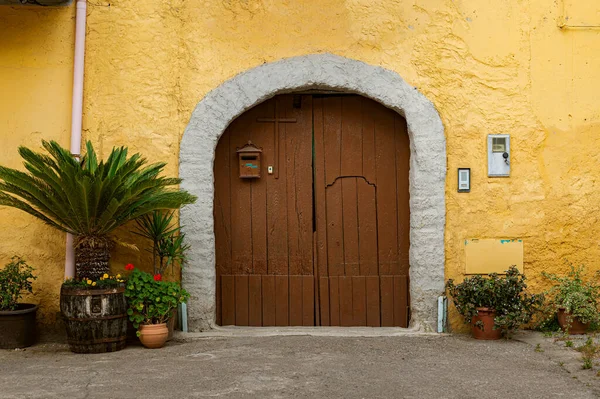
(77, 111)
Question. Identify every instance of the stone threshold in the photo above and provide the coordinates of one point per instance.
(234, 332)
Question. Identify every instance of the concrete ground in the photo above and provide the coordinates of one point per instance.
(405, 366)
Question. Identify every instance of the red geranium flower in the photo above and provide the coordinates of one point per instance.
(157, 277)
(129, 266)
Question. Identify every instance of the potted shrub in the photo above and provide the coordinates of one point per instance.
(167, 246)
(151, 303)
(494, 304)
(17, 320)
(89, 199)
(574, 301)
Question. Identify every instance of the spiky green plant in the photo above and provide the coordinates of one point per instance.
(88, 199)
(168, 247)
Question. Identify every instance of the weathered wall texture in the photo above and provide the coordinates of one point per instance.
(36, 67)
(488, 67)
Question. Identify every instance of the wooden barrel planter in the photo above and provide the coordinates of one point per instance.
(95, 319)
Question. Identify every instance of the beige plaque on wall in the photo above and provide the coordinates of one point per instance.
(493, 255)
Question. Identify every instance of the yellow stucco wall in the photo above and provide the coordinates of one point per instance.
(488, 66)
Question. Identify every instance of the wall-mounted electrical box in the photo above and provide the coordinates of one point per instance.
(249, 158)
(498, 155)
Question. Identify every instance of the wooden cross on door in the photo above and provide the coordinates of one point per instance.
(277, 122)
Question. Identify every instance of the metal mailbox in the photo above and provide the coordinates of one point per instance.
(249, 159)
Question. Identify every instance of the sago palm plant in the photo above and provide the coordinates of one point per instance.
(88, 199)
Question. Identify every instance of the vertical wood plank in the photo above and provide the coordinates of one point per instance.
(334, 301)
(351, 143)
(277, 232)
(254, 301)
(320, 196)
(241, 300)
(299, 179)
(324, 301)
(401, 301)
(222, 215)
(372, 294)
(346, 307)
(268, 300)
(359, 301)
(296, 298)
(241, 215)
(228, 300)
(218, 311)
(387, 301)
(368, 140)
(308, 301)
(282, 301)
(335, 230)
(402, 188)
(350, 226)
(260, 134)
(367, 229)
(387, 217)
(332, 121)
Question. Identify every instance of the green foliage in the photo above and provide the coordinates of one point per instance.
(168, 247)
(105, 281)
(589, 351)
(578, 297)
(15, 279)
(88, 198)
(151, 301)
(507, 295)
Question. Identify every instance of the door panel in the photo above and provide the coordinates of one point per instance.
(361, 190)
(264, 226)
(339, 257)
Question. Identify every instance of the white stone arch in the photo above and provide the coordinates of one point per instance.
(427, 173)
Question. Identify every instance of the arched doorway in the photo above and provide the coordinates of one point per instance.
(220, 107)
(316, 231)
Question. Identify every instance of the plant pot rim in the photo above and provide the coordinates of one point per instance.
(485, 309)
(153, 325)
(23, 308)
(91, 290)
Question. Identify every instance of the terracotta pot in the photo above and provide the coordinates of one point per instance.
(577, 327)
(487, 332)
(154, 335)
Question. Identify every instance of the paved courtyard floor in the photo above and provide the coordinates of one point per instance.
(295, 367)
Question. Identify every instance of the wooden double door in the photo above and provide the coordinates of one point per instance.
(322, 236)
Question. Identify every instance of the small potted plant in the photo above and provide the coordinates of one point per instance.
(151, 303)
(574, 301)
(17, 320)
(168, 247)
(495, 304)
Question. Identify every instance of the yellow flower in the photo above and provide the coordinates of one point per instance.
(105, 275)
(118, 276)
(94, 284)
(89, 282)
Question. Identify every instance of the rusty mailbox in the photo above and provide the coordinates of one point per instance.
(249, 158)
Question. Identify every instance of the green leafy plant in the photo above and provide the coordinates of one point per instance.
(168, 247)
(88, 199)
(589, 350)
(507, 295)
(151, 300)
(16, 278)
(577, 297)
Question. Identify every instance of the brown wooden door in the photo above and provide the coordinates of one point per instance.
(264, 227)
(349, 197)
(362, 212)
